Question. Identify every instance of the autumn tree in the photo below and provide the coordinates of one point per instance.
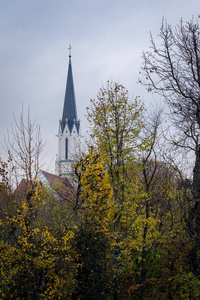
(172, 70)
(149, 161)
(116, 123)
(92, 239)
(159, 214)
(35, 255)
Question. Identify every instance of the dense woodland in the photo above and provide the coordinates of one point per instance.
(130, 226)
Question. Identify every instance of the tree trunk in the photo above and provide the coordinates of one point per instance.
(195, 212)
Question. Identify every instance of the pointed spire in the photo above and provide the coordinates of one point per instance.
(70, 48)
(69, 110)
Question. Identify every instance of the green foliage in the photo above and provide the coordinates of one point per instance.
(35, 260)
(122, 235)
(170, 275)
(116, 123)
(93, 279)
(92, 239)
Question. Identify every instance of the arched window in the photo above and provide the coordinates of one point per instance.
(66, 149)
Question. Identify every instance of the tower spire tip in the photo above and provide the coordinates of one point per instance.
(70, 48)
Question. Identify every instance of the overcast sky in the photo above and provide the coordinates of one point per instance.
(107, 37)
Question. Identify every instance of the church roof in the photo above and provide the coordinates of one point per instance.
(59, 186)
(69, 110)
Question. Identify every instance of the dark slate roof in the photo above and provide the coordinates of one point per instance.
(69, 109)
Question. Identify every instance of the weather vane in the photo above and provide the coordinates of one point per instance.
(70, 48)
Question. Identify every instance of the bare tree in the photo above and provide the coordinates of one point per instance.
(172, 70)
(25, 145)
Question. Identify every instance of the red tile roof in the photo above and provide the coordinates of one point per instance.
(23, 188)
(61, 187)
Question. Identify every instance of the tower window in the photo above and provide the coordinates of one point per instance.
(66, 149)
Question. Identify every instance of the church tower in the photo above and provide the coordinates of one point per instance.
(69, 129)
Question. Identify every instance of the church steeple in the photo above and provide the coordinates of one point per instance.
(69, 110)
(69, 129)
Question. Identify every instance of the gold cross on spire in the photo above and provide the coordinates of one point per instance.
(70, 48)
